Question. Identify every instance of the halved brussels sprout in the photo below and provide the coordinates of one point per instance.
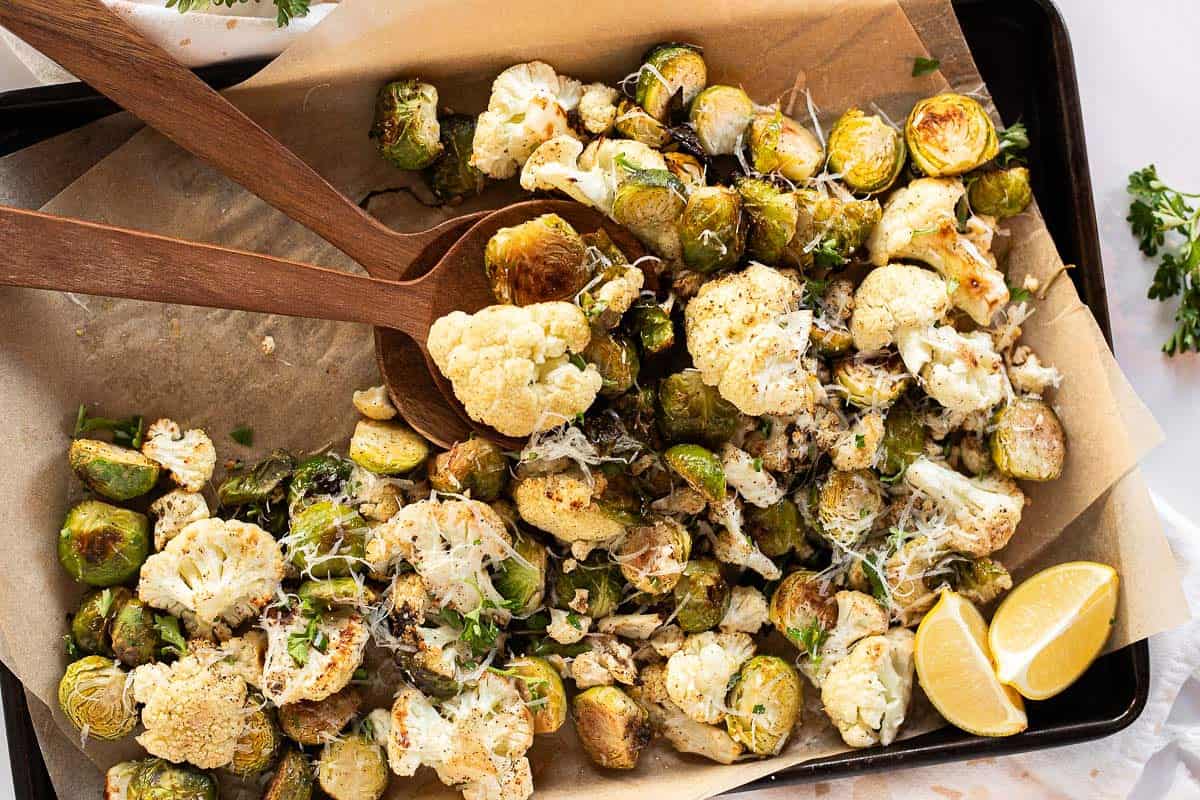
(653, 556)
(980, 580)
(830, 230)
(102, 545)
(764, 704)
(803, 611)
(903, 439)
(872, 382)
(293, 779)
(262, 483)
(537, 261)
(546, 697)
(523, 584)
(867, 152)
(652, 325)
(599, 578)
(312, 722)
(1028, 441)
(327, 540)
(777, 529)
(436, 678)
(711, 230)
(648, 203)
(634, 123)
(774, 217)
(687, 168)
(353, 768)
(95, 697)
(616, 360)
(701, 596)
(135, 639)
(330, 593)
(830, 341)
(701, 468)
(846, 505)
(91, 623)
(476, 466)
(451, 177)
(609, 254)
(720, 116)
(387, 448)
(671, 77)
(117, 473)
(780, 144)
(1002, 193)
(406, 124)
(259, 741)
(612, 728)
(950, 134)
(161, 780)
(690, 410)
(322, 475)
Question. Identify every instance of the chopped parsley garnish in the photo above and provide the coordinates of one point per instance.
(924, 66)
(125, 432)
(243, 435)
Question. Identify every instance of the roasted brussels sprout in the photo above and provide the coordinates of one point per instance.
(777, 529)
(117, 473)
(102, 545)
(634, 123)
(612, 728)
(543, 687)
(327, 540)
(476, 466)
(980, 580)
(259, 741)
(701, 468)
(653, 556)
(522, 582)
(293, 779)
(1002, 193)
(689, 410)
(616, 360)
(311, 722)
(135, 639)
(780, 144)
(652, 325)
(95, 697)
(711, 230)
(451, 177)
(262, 483)
(903, 440)
(803, 611)
(720, 116)
(867, 152)
(330, 593)
(537, 261)
(687, 168)
(406, 124)
(91, 623)
(764, 704)
(649, 203)
(830, 230)
(387, 448)
(353, 768)
(322, 475)
(701, 596)
(774, 216)
(872, 382)
(599, 578)
(434, 678)
(671, 77)
(161, 780)
(1028, 441)
(829, 340)
(846, 505)
(950, 134)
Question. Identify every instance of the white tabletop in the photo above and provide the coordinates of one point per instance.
(1138, 66)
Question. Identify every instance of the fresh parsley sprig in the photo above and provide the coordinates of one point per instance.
(125, 432)
(285, 10)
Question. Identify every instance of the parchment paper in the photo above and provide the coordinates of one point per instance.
(205, 368)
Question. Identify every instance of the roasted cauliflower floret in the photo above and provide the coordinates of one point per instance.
(919, 223)
(747, 611)
(1026, 372)
(615, 296)
(588, 175)
(567, 627)
(190, 457)
(629, 626)
(608, 662)
(684, 733)
(746, 474)
(529, 104)
(598, 108)
(565, 505)
(867, 693)
(213, 575)
(959, 370)
(858, 446)
(858, 616)
(982, 513)
(293, 672)
(698, 675)
(747, 335)
(374, 403)
(732, 545)
(894, 302)
(510, 365)
(174, 511)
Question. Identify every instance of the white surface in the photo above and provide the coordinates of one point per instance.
(1138, 65)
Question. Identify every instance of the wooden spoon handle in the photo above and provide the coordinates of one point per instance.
(42, 251)
(101, 49)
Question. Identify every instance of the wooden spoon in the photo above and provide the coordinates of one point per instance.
(48, 252)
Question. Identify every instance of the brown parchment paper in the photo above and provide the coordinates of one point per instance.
(205, 367)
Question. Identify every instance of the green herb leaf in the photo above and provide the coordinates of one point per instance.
(286, 10)
(757, 464)
(860, 441)
(243, 435)
(924, 66)
(809, 639)
(1019, 294)
(173, 643)
(1014, 141)
(72, 649)
(759, 708)
(127, 432)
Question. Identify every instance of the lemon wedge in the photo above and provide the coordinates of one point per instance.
(1051, 627)
(955, 670)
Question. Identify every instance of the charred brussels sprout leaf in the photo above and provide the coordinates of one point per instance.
(451, 177)
(634, 123)
(711, 230)
(537, 261)
(701, 596)
(102, 545)
(599, 578)
(541, 685)
(262, 483)
(950, 134)
(652, 325)
(777, 529)
(476, 466)
(867, 152)
(764, 704)
(522, 582)
(90, 625)
(327, 540)
(1028, 441)
(903, 440)
(135, 640)
(93, 695)
(161, 780)
(872, 383)
(670, 79)
(319, 476)
(293, 779)
(689, 410)
(701, 468)
(117, 473)
(720, 116)
(612, 728)
(406, 126)
(780, 144)
(774, 217)
(330, 593)
(387, 448)
(1002, 193)
(259, 741)
(615, 359)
